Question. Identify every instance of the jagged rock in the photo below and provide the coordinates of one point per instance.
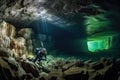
(97, 76)
(23, 69)
(91, 73)
(4, 41)
(97, 66)
(30, 67)
(12, 63)
(5, 52)
(67, 66)
(103, 59)
(76, 73)
(59, 64)
(46, 69)
(8, 42)
(74, 70)
(88, 61)
(10, 69)
(6, 71)
(7, 29)
(79, 64)
(18, 47)
(44, 76)
(28, 76)
(55, 73)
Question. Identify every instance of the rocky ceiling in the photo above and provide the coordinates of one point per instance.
(24, 12)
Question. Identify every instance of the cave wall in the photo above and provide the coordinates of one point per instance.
(18, 43)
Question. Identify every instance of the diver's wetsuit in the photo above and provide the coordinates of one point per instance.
(40, 54)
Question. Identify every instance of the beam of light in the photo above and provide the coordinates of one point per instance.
(47, 17)
(41, 0)
(44, 22)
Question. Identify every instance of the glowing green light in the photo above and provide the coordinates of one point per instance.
(96, 23)
(97, 45)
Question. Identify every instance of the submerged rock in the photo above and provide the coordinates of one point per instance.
(23, 69)
(44, 76)
(10, 69)
(76, 73)
(30, 67)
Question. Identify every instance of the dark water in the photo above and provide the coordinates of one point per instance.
(72, 40)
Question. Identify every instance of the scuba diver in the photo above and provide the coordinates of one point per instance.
(40, 54)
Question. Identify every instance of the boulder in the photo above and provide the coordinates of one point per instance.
(28, 76)
(76, 73)
(96, 76)
(30, 67)
(44, 76)
(10, 69)
(97, 66)
(55, 74)
(68, 65)
(79, 64)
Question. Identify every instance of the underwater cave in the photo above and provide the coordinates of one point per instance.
(59, 40)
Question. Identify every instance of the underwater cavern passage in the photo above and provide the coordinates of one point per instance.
(59, 40)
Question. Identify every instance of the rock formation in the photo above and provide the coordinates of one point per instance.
(24, 12)
(16, 44)
(19, 47)
(59, 69)
(13, 54)
(27, 34)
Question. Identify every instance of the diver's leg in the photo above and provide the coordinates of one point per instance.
(35, 59)
(39, 60)
(45, 57)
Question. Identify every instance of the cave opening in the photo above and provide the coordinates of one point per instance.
(99, 44)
